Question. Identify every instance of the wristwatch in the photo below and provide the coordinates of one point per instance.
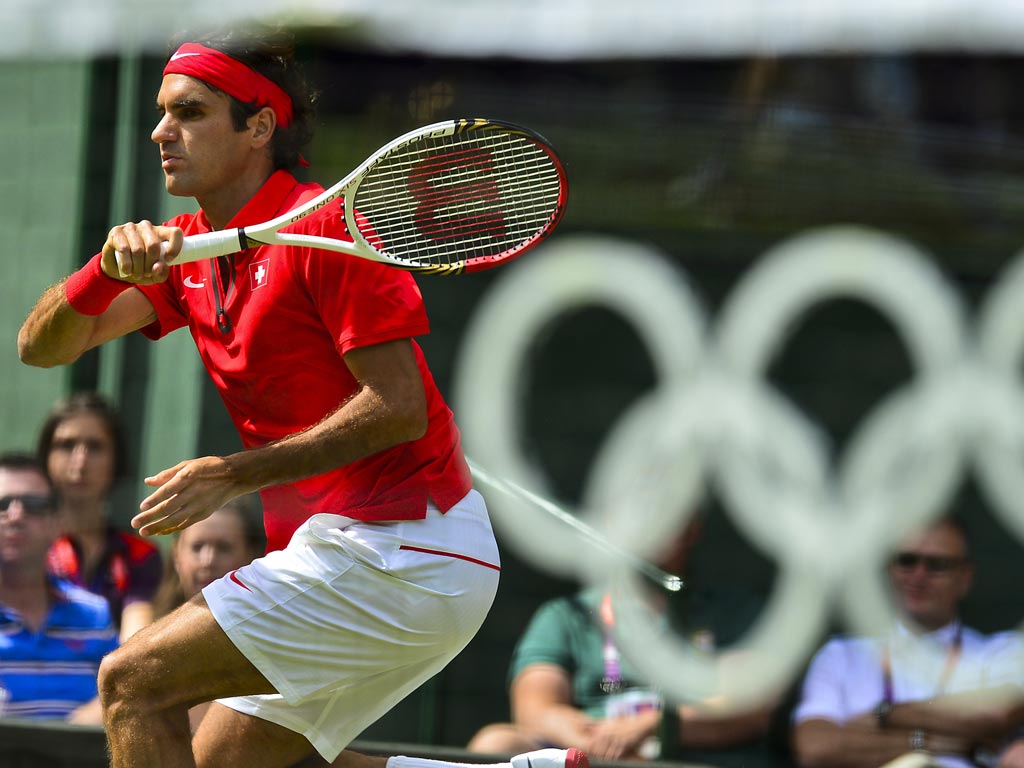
(917, 740)
(882, 711)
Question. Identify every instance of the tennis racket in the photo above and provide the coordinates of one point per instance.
(451, 197)
(667, 581)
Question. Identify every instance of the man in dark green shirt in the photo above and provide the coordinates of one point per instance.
(570, 685)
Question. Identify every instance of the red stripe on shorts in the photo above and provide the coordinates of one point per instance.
(467, 558)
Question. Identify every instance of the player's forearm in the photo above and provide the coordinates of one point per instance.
(366, 424)
(87, 309)
(54, 333)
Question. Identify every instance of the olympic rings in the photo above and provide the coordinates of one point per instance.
(714, 419)
(626, 277)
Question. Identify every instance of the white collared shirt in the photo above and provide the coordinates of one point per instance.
(845, 678)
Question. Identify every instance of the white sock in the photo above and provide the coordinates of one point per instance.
(401, 761)
(550, 757)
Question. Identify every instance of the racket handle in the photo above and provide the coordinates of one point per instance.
(210, 245)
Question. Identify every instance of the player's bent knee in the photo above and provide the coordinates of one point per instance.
(108, 684)
(113, 680)
(123, 682)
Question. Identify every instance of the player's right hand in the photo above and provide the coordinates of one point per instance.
(139, 252)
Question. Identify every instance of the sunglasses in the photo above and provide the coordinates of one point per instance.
(908, 561)
(35, 505)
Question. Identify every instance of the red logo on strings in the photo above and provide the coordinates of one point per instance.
(457, 195)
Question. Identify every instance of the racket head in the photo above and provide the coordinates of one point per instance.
(459, 196)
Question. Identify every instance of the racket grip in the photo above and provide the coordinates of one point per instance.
(209, 245)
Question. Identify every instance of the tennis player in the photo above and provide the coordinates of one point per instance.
(381, 561)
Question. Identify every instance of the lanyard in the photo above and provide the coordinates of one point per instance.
(612, 680)
(952, 657)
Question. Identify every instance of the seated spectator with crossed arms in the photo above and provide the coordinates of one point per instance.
(931, 685)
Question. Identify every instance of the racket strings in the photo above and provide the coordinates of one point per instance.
(456, 198)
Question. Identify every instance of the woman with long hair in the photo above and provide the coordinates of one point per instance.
(81, 444)
(228, 539)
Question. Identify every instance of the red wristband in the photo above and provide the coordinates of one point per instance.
(89, 291)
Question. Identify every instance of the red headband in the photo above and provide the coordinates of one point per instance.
(231, 76)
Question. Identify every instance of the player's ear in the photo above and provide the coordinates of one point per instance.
(262, 126)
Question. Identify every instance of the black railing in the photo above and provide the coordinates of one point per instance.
(35, 744)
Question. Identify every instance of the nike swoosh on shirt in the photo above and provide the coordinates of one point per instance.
(190, 283)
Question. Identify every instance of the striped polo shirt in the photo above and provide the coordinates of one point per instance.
(50, 672)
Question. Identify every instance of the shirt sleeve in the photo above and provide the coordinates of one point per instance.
(822, 692)
(169, 313)
(1004, 660)
(546, 640)
(361, 302)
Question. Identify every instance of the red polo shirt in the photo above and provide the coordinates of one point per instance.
(290, 315)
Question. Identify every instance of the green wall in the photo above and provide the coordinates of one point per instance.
(71, 171)
(42, 131)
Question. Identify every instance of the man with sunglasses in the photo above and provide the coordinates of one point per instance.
(53, 634)
(932, 685)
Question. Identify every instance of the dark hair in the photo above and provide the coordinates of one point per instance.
(271, 53)
(170, 594)
(26, 462)
(92, 403)
(250, 512)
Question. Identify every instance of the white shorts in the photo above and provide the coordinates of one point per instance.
(351, 617)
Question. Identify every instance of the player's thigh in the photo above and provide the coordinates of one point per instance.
(226, 738)
(184, 658)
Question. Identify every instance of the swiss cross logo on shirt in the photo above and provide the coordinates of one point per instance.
(258, 273)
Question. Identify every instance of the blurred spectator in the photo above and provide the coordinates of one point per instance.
(52, 633)
(82, 446)
(228, 539)
(1013, 755)
(931, 685)
(205, 551)
(570, 687)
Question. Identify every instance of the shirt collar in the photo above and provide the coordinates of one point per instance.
(58, 592)
(265, 204)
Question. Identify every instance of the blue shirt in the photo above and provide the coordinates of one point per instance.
(49, 673)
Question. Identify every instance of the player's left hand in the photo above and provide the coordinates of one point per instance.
(186, 493)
